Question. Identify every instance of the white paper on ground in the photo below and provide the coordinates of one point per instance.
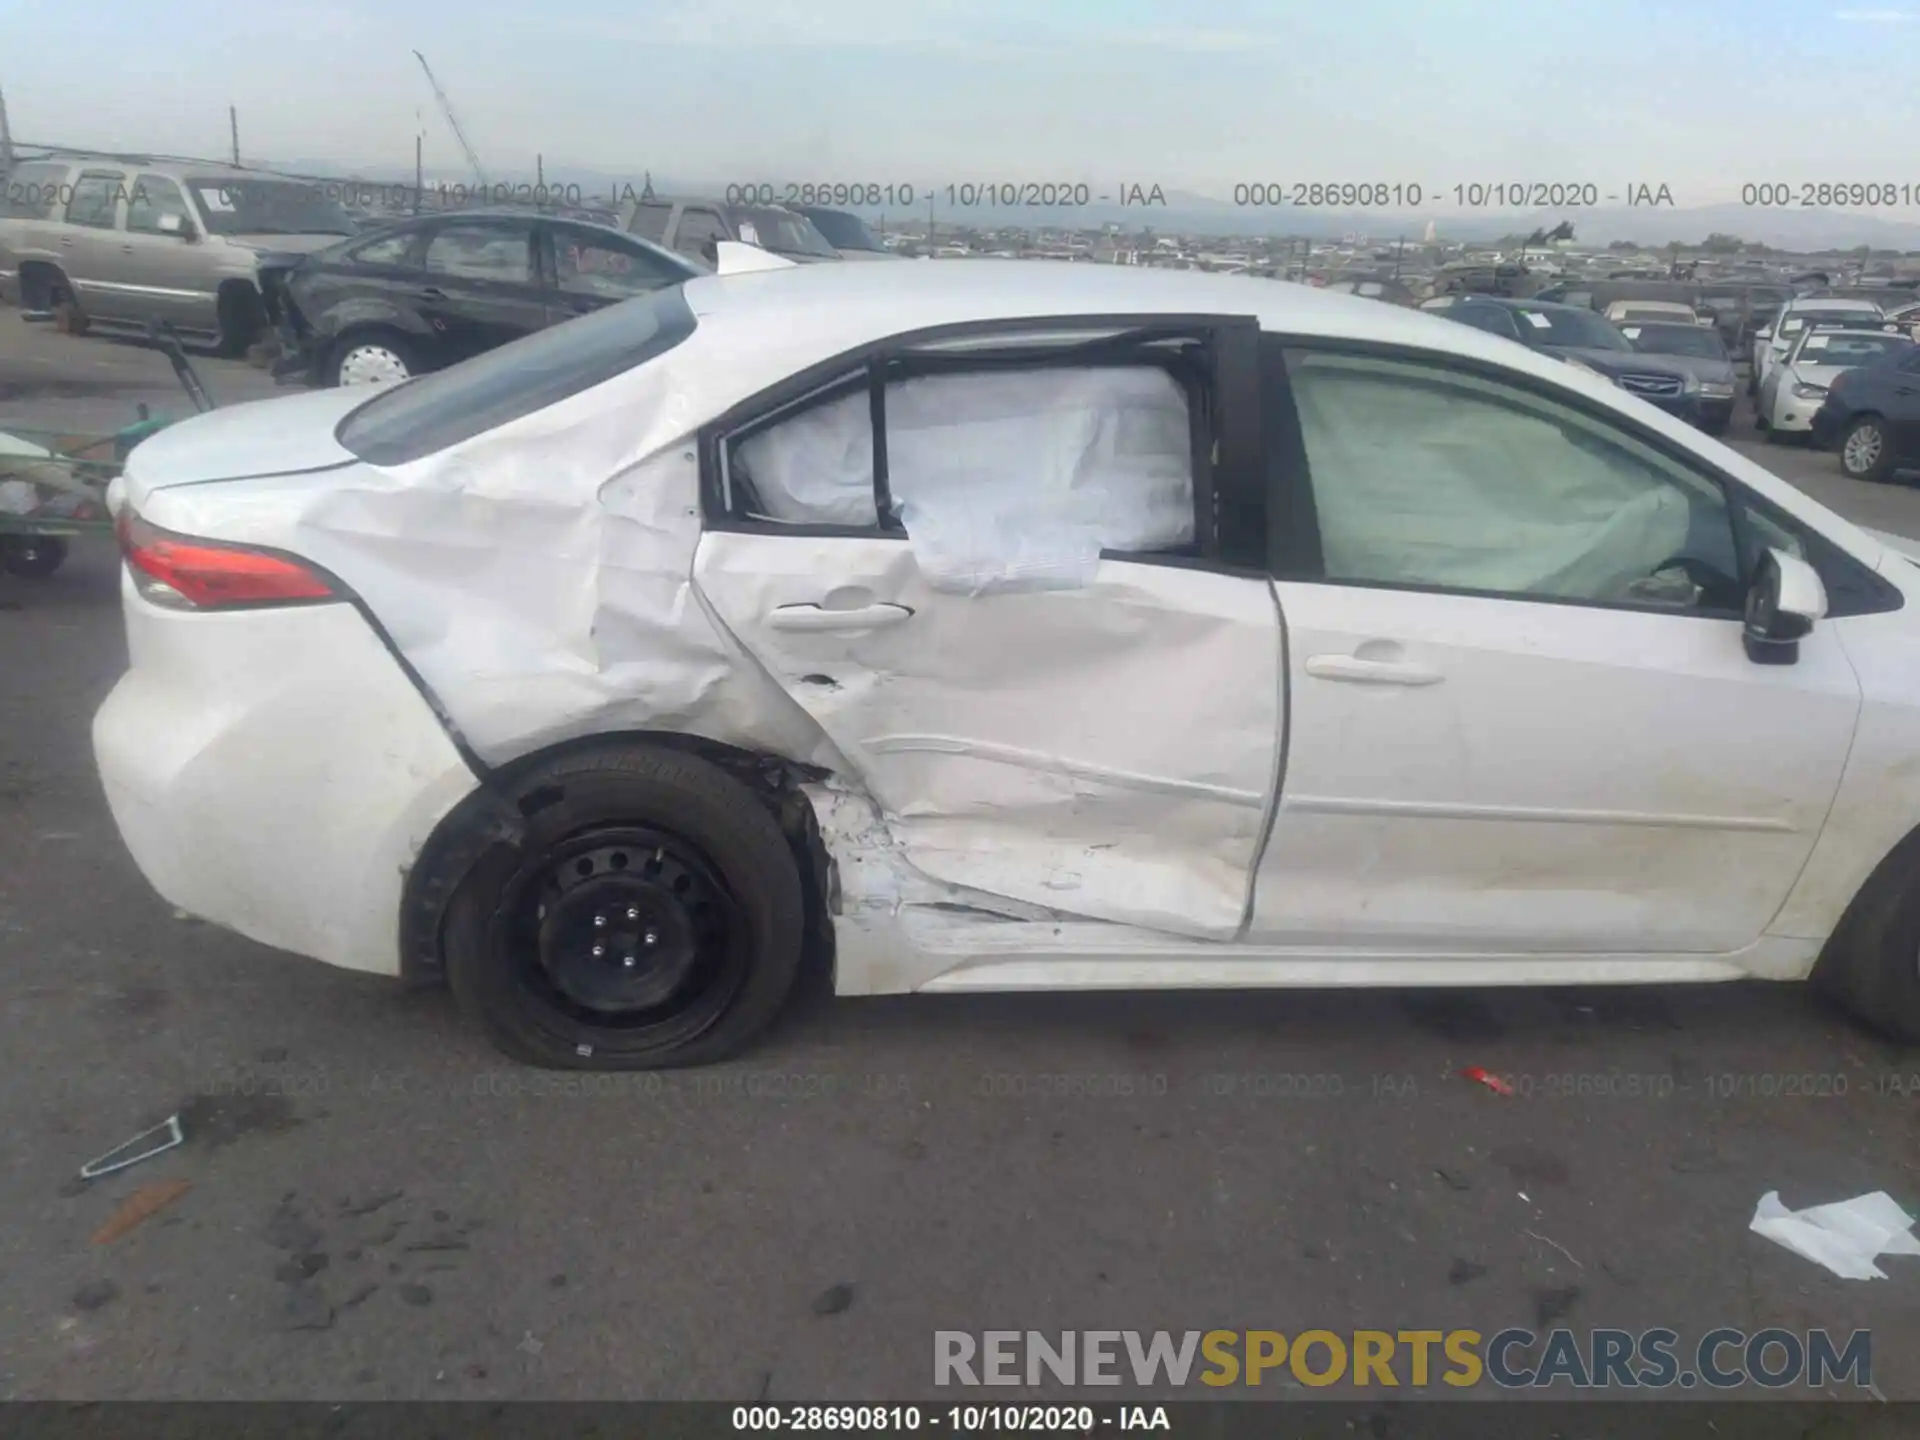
(1844, 1236)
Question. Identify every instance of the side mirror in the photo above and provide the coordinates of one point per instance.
(1786, 598)
(1765, 332)
(175, 225)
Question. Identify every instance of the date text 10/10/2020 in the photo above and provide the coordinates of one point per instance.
(1251, 194)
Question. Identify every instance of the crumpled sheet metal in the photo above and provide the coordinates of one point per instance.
(537, 577)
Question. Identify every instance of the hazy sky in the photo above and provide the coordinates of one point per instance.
(1701, 95)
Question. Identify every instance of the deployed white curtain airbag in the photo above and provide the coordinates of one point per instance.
(1002, 479)
(1419, 481)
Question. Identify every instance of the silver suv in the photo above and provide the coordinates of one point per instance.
(692, 226)
(123, 241)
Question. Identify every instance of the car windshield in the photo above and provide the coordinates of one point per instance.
(1695, 340)
(782, 232)
(1800, 319)
(1824, 347)
(1575, 329)
(844, 231)
(245, 206)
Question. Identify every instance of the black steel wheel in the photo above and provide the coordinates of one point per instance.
(652, 916)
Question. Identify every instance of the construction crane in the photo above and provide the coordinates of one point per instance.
(446, 108)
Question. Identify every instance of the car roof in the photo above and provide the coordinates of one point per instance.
(760, 329)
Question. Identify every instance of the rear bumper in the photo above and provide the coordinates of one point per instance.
(276, 772)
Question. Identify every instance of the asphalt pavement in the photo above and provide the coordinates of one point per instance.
(381, 1207)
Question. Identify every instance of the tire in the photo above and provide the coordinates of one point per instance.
(1871, 964)
(359, 348)
(665, 844)
(242, 320)
(1865, 450)
(32, 557)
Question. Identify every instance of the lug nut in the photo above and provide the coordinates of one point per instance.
(628, 961)
(598, 951)
(599, 922)
(653, 937)
(633, 913)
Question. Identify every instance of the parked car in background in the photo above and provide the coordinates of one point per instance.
(1389, 290)
(1772, 342)
(1652, 312)
(1871, 416)
(761, 627)
(847, 233)
(1582, 339)
(1698, 350)
(1907, 317)
(423, 294)
(1796, 388)
(116, 243)
(692, 227)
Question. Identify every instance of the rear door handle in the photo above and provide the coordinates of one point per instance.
(818, 617)
(1356, 671)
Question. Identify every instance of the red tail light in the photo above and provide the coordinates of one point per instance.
(183, 573)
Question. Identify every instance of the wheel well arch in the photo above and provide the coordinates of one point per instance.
(496, 813)
(56, 281)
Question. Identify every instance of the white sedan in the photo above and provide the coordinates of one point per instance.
(1772, 342)
(1795, 389)
(1008, 626)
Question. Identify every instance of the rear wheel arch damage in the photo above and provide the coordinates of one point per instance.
(527, 807)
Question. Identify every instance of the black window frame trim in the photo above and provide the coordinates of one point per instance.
(1853, 587)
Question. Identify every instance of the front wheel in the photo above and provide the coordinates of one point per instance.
(371, 358)
(32, 557)
(653, 916)
(1871, 964)
(1864, 451)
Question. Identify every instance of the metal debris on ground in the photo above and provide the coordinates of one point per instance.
(121, 1156)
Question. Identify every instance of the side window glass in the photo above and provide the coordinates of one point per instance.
(1428, 477)
(999, 479)
(1911, 365)
(650, 221)
(94, 197)
(388, 250)
(697, 229)
(32, 192)
(154, 196)
(481, 252)
(588, 265)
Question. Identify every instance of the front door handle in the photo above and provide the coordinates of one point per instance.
(433, 292)
(1354, 670)
(818, 617)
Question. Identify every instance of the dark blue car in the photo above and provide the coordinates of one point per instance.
(1577, 335)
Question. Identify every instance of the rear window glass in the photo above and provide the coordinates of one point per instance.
(422, 416)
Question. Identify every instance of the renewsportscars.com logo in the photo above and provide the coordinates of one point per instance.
(1511, 1359)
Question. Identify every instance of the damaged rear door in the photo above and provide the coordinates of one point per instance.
(1017, 580)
